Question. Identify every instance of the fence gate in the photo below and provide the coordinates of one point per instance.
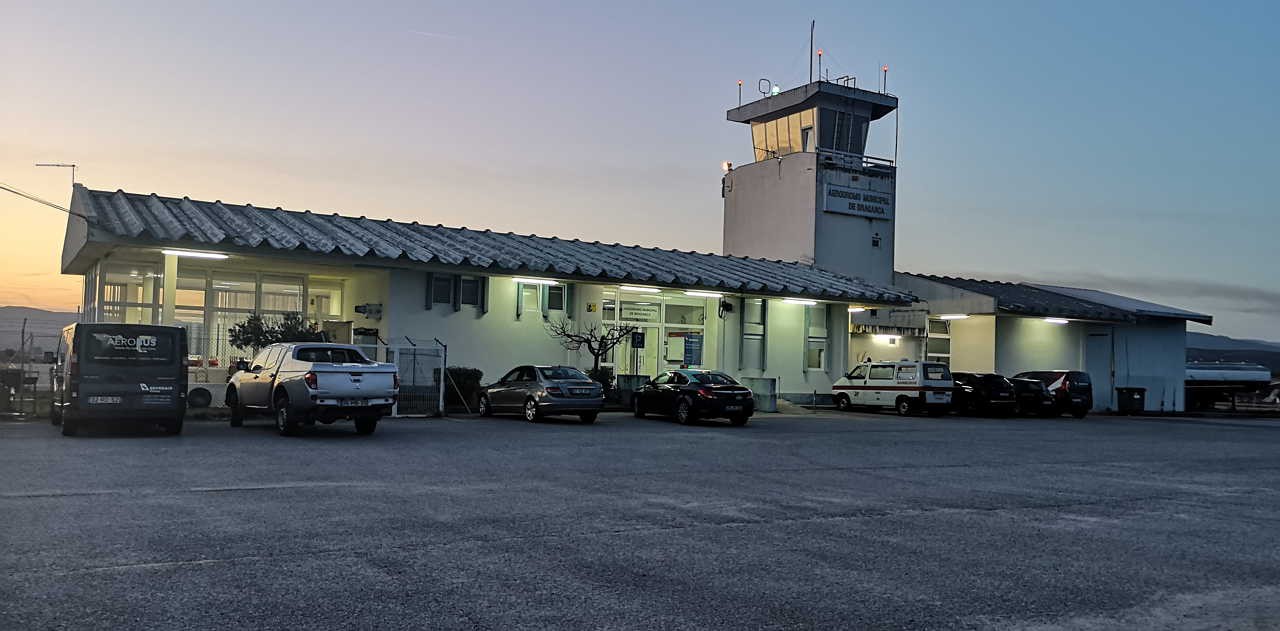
(421, 369)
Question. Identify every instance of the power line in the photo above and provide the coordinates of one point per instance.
(40, 200)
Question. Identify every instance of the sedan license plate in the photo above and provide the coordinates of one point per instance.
(104, 400)
(354, 402)
(732, 408)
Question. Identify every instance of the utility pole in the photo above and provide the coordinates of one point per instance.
(22, 362)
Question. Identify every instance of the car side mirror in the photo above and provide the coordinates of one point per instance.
(242, 365)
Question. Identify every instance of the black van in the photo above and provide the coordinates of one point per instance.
(120, 373)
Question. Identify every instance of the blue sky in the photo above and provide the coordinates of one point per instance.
(1126, 146)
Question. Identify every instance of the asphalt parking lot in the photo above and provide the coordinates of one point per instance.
(849, 521)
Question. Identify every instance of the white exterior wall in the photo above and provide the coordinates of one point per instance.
(1153, 355)
(494, 342)
(1024, 344)
(843, 243)
(769, 209)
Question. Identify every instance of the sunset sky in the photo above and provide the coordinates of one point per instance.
(1122, 145)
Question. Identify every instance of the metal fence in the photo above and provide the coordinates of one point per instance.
(421, 373)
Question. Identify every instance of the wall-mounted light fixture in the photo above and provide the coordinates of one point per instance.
(194, 254)
(640, 290)
(536, 281)
(857, 309)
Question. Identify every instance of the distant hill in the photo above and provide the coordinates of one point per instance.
(45, 325)
(1205, 341)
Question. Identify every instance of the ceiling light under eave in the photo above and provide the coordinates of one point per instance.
(857, 309)
(704, 294)
(954, 316)
(800, 301)
(536, 281)
(195, 255)
(1057, 320)
(640, 290)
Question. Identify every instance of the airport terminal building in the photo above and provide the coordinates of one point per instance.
(805, 288)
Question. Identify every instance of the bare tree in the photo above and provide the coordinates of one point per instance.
(597, 339)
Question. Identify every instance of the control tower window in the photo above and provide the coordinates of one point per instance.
(784, 135)
(842, 131)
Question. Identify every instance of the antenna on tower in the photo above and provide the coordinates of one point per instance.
(812, 23)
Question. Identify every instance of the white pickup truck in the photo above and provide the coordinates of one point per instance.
(305, 383)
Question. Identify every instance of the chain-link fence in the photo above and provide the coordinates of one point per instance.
(421, 373)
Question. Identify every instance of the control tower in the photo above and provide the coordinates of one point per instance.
(813, 195)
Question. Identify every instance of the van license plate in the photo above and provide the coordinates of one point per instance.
(104, 400)
(354, 402)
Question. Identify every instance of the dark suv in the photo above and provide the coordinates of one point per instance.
(1070, 390)
(689, 395)
(983, 393)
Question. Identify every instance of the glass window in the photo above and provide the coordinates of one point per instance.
(826, 128)
(130, 283)
(784, 136)
(324, 298)
(906, 373)
(817, 316)
(859, 373)
(555, 297)
(234, 291)
(190, 288)
(937, 372)
(771, 137)
(793, 126)
(806, 118)
(815, 354)
(714, 379)
(663, 378)
(561, 373)
(939, 327)
(938, 346)
(282, 294)
(330, 355)
(679, 378)
(880, 372)
(686, 310)
(527, 374)
(753, 311)
(530, 299)
(442, 289)
(470, 290)
(753, 352)
(511, 376)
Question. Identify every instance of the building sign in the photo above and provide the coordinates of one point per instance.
(692, 349)
(640, 311)
(637, 339)
(858, 202)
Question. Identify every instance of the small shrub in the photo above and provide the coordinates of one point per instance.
(463, 385)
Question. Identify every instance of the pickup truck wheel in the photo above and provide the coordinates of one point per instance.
(237, 410)
(531, 412)
(285, 424)
(366, 426)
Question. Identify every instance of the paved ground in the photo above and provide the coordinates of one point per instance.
(819, 521)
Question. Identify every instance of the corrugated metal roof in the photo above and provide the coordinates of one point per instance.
(1021, 299)
(192, 223)
(1132, 305)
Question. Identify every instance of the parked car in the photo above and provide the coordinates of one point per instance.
(983, 393)
(1033, 397)
(119, 373)
(905, 386)
(538, 391)
(304, 383)
(1070, 390)
(689, 395)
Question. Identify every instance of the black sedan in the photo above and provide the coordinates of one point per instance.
(983, 393)
(689, 395)
(1033, 397)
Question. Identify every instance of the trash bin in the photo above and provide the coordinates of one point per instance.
(1131, 400)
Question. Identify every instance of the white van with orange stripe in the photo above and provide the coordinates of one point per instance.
(906, 386)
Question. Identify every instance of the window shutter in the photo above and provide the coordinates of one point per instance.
(457, 292)
(568, 300)
(484, 294)
(431, 283)
(519, 300)
(544, 301)
(764, 335)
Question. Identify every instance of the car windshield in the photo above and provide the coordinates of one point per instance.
(714, 379)
(562, 373)
(330, 355)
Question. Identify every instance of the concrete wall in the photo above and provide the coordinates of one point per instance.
(769, 209)
(973, 344)
(844, 243)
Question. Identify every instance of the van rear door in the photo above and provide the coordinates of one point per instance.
(133, 368)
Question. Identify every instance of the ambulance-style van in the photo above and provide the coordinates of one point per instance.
(905, 386)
